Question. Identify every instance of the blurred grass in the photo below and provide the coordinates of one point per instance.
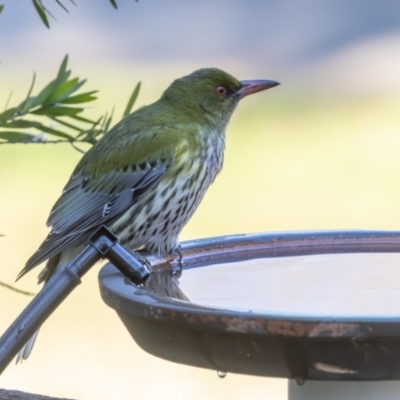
(292, 163)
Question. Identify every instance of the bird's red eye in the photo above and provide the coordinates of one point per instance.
(220, 90)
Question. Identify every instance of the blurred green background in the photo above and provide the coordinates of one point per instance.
(318, 152)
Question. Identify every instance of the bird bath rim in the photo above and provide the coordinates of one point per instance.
(299, 347)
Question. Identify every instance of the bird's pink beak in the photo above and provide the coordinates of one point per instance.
(254, 86)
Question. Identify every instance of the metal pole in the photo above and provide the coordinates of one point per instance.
(102, 244)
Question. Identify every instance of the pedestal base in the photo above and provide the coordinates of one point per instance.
(334, 390)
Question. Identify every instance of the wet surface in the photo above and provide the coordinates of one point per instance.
(365, 284)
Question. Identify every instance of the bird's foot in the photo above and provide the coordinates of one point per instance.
(141, 256)
(177, 252)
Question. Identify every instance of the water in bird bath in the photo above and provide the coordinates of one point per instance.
(362, 284)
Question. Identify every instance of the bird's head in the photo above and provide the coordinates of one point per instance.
(211, 94)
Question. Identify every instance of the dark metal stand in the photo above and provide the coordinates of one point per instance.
(102, 244)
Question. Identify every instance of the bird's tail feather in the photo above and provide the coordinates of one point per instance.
(52, 266)
(44, 276)
(25, 352)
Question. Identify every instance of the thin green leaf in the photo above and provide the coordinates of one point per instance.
(7, 115)
(16, 137)
(63, 90)
(58, 111)
(107, 122)
(82, 119)
(132, 100)
(32, 84)
(89, 132)
(26, 105)
(92, 134)
(1, 9)
(37, 125)
(62, 6)
(86, 137)
(8, 99)
(44, 94)
(59, 121)
(114, 4)
(21, 124)
(41, 13)
(62, 71)
(62, 77)
(55, 132)
(90, 140)
(76, 148)
(80, 98)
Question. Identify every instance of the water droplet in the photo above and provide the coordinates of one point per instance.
(300, 381)
(221, 374)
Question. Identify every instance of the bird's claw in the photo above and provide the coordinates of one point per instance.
(142, 258)
(178, 251)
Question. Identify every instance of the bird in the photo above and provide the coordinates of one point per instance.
(147, 175)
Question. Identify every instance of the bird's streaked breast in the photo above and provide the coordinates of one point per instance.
(156, 220)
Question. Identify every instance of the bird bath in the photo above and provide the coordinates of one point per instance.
(318, 308)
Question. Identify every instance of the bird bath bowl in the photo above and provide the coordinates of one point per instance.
(319, 308)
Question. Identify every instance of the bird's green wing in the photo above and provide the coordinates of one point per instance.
(99, 192)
